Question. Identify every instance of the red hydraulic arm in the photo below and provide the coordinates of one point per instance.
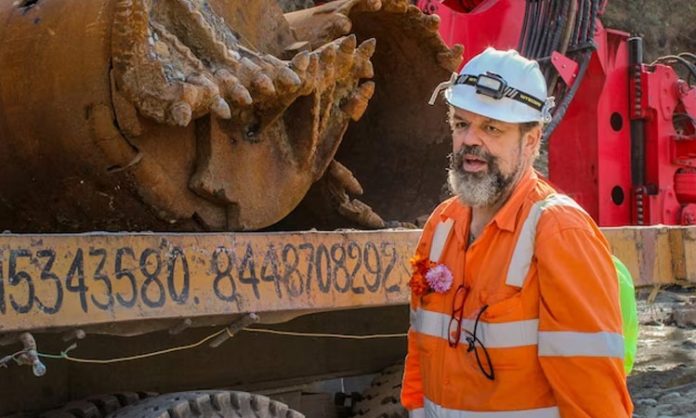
(623, 138)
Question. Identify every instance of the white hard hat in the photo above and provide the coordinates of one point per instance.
(501, 85)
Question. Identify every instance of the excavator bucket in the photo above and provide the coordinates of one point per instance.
(217, 115)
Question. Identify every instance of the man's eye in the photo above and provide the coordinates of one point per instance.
(493, 130)
(460, 125)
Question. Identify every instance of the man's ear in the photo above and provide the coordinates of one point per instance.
(532, 141)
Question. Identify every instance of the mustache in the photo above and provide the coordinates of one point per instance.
(457, 158)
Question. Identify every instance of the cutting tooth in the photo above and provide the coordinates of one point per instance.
(234, 55)
(181, 113)
(190, 93)
(260, 81)
(346, 52)
(451, 58)
(342, 24)
(200, 80)
(228, 80)
(412, 10)
(221, 108)
(431, 22)
(345, 177)
(367, 48)
(457, 50)
(355, 106)
(289, 78)
(363, 6)
(348, 44)
(313, 67)
(301, 61)
(366, 70)
(328, 55)
(373, 5)
(263, 84)
(361, 213)
(234, 90)
(240, 95)
(197, 89)
(250, 66)
(396, 6)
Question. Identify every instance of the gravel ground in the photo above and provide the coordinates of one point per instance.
(663, 382)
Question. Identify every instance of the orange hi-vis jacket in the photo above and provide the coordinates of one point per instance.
(541, 281)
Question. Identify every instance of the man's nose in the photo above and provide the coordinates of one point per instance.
(467, 138)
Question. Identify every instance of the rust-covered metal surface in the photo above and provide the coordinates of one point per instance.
(117, 280)
(656, 255)
(189, 115)
(60, 281)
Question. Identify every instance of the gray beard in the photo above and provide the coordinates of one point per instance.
(479, 189)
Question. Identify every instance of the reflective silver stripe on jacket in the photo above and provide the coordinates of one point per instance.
(588, 344)
(433, 410)
(492, 335)
(442, 231)
(524, 248)
(417, 413)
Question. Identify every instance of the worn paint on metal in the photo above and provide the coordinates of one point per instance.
(72, 280)
(49, 281)
(219, 115)
(657, 254)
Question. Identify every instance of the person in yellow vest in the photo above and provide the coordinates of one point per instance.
(514, 295)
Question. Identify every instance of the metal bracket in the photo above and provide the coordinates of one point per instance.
(234, 328)
(30, 356)
(566, 67)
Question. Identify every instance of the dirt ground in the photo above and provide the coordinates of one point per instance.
(663, 382)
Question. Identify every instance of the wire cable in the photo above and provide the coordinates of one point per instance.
(523, 33)
(8, 358)
(674, 59)
(323, 335)
(65, 356)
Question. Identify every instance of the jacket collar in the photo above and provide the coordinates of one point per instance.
(507, 216)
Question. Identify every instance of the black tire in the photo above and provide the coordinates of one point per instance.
(97, 406)
(382, 398)
(207, 404)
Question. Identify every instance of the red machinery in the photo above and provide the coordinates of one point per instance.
(623, 138)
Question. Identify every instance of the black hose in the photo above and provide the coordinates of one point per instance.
(575, 39)
(568, 97)
(691, 56)
(543, 29)
(555, 38)
(547, 19)
(523, 32)
(560, 24)
(527, 26)
(635, 63)
(539, 23)
(593, 20)
(549, 44)
(544, 23)
(584, 61)
(674, 59)
(584, 23)
(551, 24)
(533, 33)
(684, 116)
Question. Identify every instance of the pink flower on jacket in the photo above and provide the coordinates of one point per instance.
(439, 278)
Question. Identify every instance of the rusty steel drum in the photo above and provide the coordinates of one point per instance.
(191, 115)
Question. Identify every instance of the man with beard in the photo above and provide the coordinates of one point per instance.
(515, 300)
